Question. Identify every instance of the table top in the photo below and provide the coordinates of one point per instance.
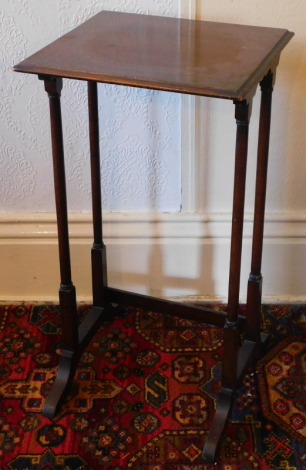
(187, 56)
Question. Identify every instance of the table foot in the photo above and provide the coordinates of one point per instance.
(248, 351)
(223, 407)
(66, 370)
(69, 359)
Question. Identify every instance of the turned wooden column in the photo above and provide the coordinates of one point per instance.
(255, 278)
(231, 332)
(98, 251)
(67, 294)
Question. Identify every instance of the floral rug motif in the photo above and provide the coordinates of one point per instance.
(145, 392)
(282, 384)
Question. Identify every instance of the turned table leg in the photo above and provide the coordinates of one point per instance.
(255, 278)
(98, 252)
(74, 337)
(231, 332)
(67, 294)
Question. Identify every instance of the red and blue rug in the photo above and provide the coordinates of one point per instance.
(144, 395)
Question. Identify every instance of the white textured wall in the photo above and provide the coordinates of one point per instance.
(287, 169)
(140, 129)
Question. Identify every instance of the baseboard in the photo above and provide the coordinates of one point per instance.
(200, 299)
(149, 225)
(167, 255)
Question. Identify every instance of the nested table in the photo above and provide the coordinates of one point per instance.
(185, 56)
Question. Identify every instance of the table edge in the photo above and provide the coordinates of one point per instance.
(237, 95)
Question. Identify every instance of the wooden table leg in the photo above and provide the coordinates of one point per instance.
(255, 278)
(67, 294)
(75, 338)
(231, 332)
(98, 252)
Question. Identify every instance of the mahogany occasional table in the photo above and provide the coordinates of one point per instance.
(197, 57)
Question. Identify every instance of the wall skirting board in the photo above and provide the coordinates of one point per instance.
(167, 255)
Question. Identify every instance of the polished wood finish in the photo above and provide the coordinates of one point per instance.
(197, 57)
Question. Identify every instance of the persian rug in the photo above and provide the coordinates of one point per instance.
(145, 392)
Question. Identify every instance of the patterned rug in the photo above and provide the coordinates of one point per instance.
(145, 392)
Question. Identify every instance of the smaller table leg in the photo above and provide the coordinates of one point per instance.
(98, 252)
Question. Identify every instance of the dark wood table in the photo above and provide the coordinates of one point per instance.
(185, 56)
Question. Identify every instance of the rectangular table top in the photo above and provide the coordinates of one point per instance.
(187, 56)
